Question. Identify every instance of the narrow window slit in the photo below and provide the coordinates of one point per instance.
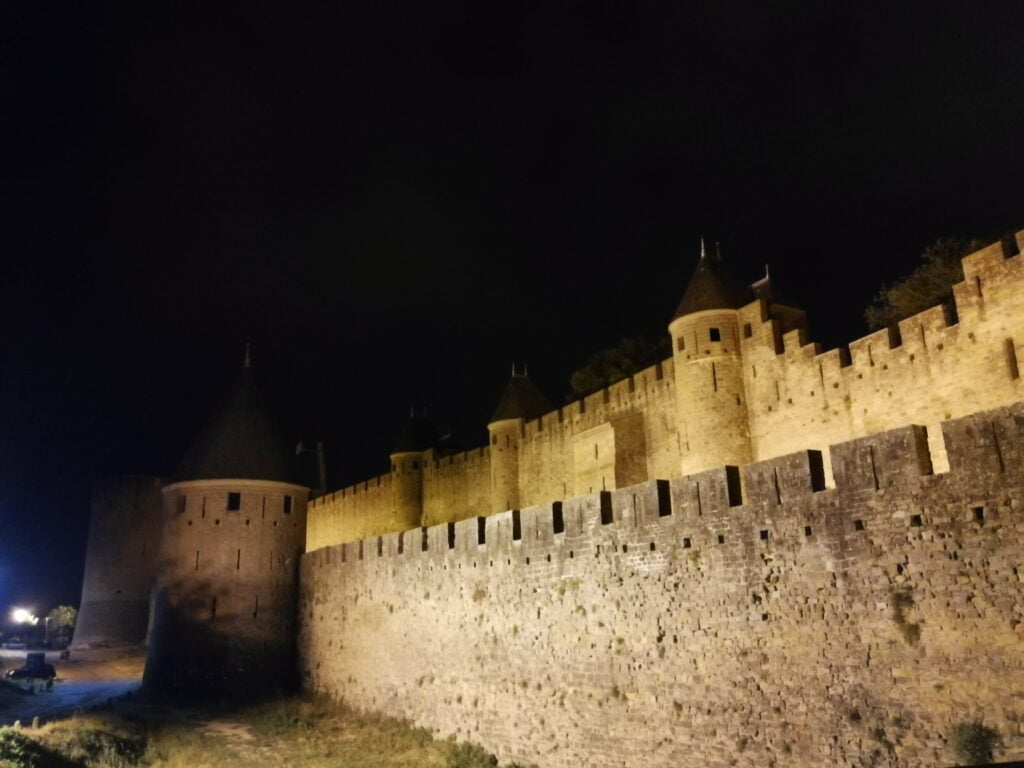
(606, 507)
(664, 498)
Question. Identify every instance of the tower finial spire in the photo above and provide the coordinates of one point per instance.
(412, 411)
(247, 363)
(703, 250)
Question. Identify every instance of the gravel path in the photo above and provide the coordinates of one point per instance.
(87, 680)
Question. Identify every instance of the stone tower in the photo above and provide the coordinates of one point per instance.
(120, 561)
(520, 402)
(416, 438)
(234, 526)
(710, 400)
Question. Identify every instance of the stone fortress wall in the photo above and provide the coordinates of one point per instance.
(738, 616)
(224, 603)
(120, 561)
(760, 390)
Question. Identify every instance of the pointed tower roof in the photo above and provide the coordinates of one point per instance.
(711, 288)
(418, 433)
(520, 400)
(240, 440)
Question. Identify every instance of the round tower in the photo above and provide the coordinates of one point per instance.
(520, 402)
(710, 400)
(234, 527)
(120, 562)
(411, 452)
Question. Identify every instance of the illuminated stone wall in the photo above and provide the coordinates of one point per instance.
(931, 370)
(705, 620)
(758, 391)
(224, 602)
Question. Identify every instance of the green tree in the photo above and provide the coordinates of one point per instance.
(927, 286)
(62, 619)
(617, 363)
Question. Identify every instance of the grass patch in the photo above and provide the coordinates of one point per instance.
(305, 732)
(975, 742)
(902, 604)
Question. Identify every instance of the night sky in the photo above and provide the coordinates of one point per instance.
(395, 201)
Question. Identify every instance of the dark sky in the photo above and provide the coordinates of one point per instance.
(394, 201)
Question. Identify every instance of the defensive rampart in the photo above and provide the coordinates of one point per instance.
(934, 366)
(120, 561)
(735, 617)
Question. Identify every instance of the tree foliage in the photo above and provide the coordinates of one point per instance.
(617, 363)
(927, 286)
(62, 618)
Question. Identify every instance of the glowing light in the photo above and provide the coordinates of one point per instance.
(24, 616)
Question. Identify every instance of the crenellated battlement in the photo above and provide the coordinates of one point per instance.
(980, 447)
(766, 385)
(751, 615)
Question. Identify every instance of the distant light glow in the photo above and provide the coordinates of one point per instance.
(24, 616)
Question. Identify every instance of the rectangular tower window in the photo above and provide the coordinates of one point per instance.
(234, 501)
(733, 487)
(680, 344)
(557, 518)
(481, 530)
(517, 526)
(287, 505)
(451, 535)
(605, 501)
(424, 539)
(664, 498)
(181, 505)
(715, 334)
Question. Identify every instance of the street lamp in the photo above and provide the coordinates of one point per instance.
(24, 616)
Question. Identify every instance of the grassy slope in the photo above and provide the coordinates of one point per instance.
(300, 732)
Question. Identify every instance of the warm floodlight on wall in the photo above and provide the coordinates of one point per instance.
(24, 616)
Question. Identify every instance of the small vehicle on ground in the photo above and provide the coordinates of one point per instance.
(35, 668)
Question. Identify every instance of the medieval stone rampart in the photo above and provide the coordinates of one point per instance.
(224, 600)
(744, 617)
(120, 561)
(759, 390)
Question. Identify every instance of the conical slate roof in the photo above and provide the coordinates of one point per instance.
(240, 441)
(521, 400)
(711, 288)
(417, 434)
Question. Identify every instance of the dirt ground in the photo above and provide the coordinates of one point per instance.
(88, 678)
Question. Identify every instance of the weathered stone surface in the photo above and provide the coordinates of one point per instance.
(120, 561)
(742, 385)
(849, 626)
